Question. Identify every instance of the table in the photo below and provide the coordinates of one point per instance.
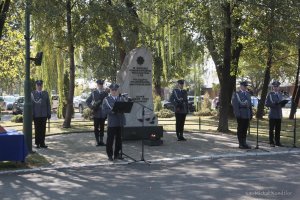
(12, 146)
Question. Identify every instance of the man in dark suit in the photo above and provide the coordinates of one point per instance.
(180, 101)
(41, 111)
(242, 108)
(94, 102)
(273, 102)
(115, 122)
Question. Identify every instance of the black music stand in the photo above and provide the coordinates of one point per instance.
(295, 123)
(123, 107)
(143, 138)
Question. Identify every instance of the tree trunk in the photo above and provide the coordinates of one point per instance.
(119, 41)
(225, 71)
(296, 92)
(232, 83)
(157, 72)
(60, 83)
(267, 77)
(261, 104)
(4, 6)
(69, 111)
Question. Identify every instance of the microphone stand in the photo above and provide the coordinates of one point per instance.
(143, 119)
(257, 146)
(121, 150)
(295, 123)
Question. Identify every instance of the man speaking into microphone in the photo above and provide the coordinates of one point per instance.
(115, 122)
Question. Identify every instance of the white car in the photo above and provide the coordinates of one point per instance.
(76, 101)
(8, 102)
(82, 102)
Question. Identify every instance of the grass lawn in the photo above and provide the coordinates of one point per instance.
(32, 161)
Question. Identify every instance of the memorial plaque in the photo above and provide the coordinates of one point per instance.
(135, 79)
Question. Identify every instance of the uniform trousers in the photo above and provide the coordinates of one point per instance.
(274, 124)
(242, 128)
(99, 127)
(112, 133)
(180, 120)
(40, 130)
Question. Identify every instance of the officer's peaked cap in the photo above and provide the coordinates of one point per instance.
(100, 82)
(181, 81)
(244, 83)
(114, 86)
(39, 82)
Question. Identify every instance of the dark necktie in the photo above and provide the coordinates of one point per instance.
(244, 95)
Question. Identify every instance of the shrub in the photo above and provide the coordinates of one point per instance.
(157, 103)
(17, 119)
(165, 113)
(205, 112)
(87, 114)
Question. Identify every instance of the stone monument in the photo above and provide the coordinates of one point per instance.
(135, 80)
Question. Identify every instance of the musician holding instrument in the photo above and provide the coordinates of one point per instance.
(242, 108)
(274, 102)
(180, 101)
(94, 102)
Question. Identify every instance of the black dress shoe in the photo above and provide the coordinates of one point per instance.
(110, 159)
(279, 144)
(101, 143)
(37, 146)
(242, 146)
(44, 146)
(183, 139)
(119, 157)
(247, 146)
(272, 145)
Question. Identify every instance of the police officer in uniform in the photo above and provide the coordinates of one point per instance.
(273, 102)
(115, 121)
(242, 108)
(180, 101)
(41, 111)
(94, 102)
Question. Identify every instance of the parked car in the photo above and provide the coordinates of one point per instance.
(254, 101)
(215, 103)
(82, 102)
(76, 101)
(18, 106)
(8, 102)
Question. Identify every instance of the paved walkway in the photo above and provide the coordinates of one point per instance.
(79, 149)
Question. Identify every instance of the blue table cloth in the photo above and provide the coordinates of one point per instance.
(12, 146)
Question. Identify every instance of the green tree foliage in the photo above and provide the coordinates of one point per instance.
(218, 26)
(269, 43)
(11, 51)
(173, 44)
(4, 7)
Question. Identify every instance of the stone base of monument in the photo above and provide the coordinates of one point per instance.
(142, 133)
(154, 142)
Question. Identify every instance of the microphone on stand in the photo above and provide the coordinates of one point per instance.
(125, 96)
